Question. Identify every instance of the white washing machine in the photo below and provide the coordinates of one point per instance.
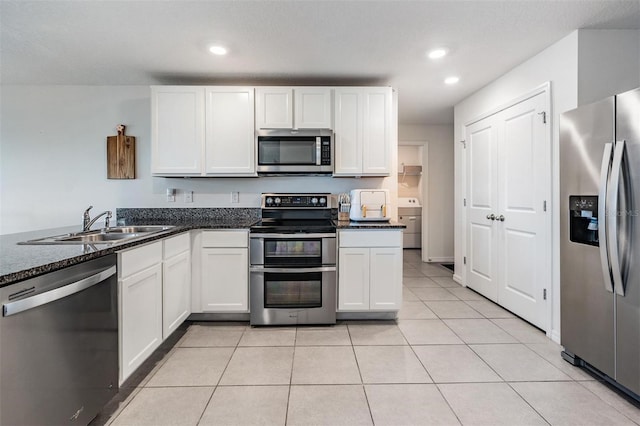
(410, 214)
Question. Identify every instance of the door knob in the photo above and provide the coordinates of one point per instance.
(500, 218)
(491, 216)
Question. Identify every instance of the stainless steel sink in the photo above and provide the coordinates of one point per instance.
(115, 235)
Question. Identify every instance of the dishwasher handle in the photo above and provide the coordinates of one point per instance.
(18, 306)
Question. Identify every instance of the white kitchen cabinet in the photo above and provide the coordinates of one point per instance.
(293, 107)
(370, 270)
(363, 131)
(224, 271)
(202, 131)
(176, 282)
(140, 305)
(177, 130)
(230, 131)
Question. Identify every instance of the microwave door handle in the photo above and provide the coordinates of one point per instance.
(602, 216)
(612, 231)
(318, 151)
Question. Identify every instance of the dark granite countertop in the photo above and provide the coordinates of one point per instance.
(20, 262)
(368, 225)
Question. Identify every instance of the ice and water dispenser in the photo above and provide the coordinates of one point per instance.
(583, 219)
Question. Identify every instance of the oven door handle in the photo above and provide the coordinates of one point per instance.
(292, 270)
(295, 236)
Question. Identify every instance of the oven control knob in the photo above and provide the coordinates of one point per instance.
(323, 200)
(277, 200)
(314, 200)
(269, 201)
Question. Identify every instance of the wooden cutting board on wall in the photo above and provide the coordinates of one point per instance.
(121, 155)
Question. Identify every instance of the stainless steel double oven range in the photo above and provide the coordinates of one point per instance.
(293, 261)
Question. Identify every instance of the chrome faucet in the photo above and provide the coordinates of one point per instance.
(87, 221)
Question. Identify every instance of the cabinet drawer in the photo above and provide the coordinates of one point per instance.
(176, 245)
(139, 258)
(225, 239)
(373, 238)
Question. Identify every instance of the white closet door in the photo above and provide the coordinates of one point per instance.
(524, 246)
(481, 140)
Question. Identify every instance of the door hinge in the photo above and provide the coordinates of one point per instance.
(544, 116)
(544, 294)
(544, 205)
(464, 260)
(464, 202)
(464, 144)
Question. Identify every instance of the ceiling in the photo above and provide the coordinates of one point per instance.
(293, 43)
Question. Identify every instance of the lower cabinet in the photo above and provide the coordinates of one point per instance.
(176, 283)
(369, 270)
(154, 297)
(224, 272)
(140, 305)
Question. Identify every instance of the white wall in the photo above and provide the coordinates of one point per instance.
(569, 69)
(439, 170)
(608, 63)
(53, 160)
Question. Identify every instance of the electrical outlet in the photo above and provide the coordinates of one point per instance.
(171, 195)
(188, 196)
(235, 197)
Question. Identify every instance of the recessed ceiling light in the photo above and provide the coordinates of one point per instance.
(437, 53)
(218, 50)
(451, 80)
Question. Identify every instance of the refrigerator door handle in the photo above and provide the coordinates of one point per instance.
(602, 216)
(612, 224)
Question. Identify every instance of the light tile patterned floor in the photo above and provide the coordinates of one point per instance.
(452, 357)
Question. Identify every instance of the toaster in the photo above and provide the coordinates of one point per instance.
(370, 205)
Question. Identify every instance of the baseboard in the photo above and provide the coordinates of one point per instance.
(457, 278)
(446, 259)
(555, 336)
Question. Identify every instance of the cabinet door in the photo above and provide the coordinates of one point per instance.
(274, 107)
(312, 106)
(176, 292)
(376, 131)
(225, 280)
(177, 130)
(141, 318)
(348, 131)
(385, 286)
(230, 143)
(353, 279)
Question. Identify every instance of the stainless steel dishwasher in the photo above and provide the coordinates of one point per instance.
(59, 345)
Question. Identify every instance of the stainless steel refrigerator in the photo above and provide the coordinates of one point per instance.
(600, 238)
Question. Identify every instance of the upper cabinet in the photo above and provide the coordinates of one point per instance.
(202, 131)
(363, 131)
(177, 130)
(230, 134)
(293, 107)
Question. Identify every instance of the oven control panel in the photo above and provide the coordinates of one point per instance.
(296, 201)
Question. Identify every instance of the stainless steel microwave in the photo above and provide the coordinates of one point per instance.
(308, 151)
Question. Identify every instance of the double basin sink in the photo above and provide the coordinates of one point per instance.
(115, 235)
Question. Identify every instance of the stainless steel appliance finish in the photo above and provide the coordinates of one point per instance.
(600, 238)
(293, 261)
(59, 352)
(300, 152)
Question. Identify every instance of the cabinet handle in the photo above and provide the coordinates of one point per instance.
(500, 218)
(491, 216)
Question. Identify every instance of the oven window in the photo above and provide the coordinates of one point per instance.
(278, 152)
(293, 252)
(293, 290)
